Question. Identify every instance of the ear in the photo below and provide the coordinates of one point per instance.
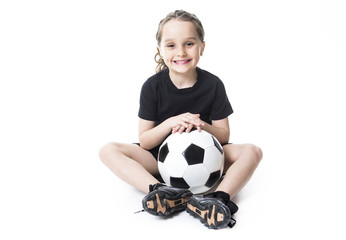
(202, 49)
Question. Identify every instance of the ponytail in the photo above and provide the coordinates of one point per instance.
(161, 65)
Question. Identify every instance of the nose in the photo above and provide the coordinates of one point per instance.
(181, 52)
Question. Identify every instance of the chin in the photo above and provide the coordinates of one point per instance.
(179, 71)
(182, 70)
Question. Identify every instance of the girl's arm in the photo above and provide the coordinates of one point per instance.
(149, 135)
(219, 129)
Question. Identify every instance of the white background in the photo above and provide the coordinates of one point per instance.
(70, 77)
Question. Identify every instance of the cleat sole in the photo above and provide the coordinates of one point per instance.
(212, 213)
(163, 203)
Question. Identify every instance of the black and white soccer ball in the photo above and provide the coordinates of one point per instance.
(191, 161)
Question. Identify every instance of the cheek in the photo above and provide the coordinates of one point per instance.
(166, 56)
(196, 52)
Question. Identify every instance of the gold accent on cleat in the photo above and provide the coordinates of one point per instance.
(211, 220)
(150, 204)
(203, 213)
(219, 217)
(160, 208)
(171, 203)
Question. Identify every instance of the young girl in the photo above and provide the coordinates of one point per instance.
(178, 98)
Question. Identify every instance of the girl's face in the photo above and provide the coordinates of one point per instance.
(180, 46)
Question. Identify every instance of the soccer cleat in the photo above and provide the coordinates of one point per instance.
(163, 200)
(214, 210)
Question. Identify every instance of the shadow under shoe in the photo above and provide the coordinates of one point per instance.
(163, 200)
(214, 210)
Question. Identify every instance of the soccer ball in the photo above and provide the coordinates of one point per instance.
(191, 161)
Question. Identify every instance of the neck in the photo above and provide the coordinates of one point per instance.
(183, 80)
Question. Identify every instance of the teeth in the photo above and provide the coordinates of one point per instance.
(182, 61)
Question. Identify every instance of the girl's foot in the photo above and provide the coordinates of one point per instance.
(214, 210)
(163, 200)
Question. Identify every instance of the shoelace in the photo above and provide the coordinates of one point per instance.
(140, 211)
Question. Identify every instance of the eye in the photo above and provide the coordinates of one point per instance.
(189, 44)
(170, 45)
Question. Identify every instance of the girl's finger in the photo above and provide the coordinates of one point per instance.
(182, 129)
(175, 129)
(189, 128)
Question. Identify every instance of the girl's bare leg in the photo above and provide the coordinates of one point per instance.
(131, 163)
(241, 160)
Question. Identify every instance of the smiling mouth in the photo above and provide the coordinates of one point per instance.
(182, 62)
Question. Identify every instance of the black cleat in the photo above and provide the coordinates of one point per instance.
(214, 210)
(163, 200)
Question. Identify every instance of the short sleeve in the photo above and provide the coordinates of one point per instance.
(221, 107)
(147, 103)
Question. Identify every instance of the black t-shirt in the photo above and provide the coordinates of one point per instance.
(160, 99)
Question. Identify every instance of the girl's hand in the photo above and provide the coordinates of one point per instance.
(180, 129)
(186, 122)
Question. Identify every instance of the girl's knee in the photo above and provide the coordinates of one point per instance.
(107, 150)
(256, 152)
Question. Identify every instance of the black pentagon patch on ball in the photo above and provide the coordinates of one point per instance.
(213, 178)
(217, 145)
(194, 154)
(179, 183)
(163, 153)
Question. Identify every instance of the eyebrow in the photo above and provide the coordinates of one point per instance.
(172, 40)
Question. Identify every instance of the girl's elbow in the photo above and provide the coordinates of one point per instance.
(224, 141)
(143, 143)
(225, 138)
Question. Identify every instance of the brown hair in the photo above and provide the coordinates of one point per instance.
(182, 16)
